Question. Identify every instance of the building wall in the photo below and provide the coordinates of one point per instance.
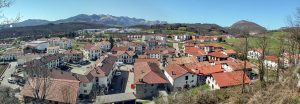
(85, 88)
(181, 82)
(212, 83)
(148, 90)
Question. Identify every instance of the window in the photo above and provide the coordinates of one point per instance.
(152, 84)
(145, 90)
(84, 91)
(192, 75)
(186, 77)
(84, 85)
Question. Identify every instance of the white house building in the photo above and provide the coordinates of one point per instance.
(125, 56)
(104, 70)
(104, 45)
(226, 79)
(179, 77)
(53, 50)
(183, 37)
(92, 52)
(254, 54)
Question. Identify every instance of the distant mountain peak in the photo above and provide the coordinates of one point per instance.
(248, 26)
(109, 20)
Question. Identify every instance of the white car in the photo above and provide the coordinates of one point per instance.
(11, 80)
(118, 73)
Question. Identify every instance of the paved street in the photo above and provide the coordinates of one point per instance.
(7, 74)
(118, 83)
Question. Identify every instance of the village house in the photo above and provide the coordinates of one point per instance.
(271, 62)
(103, 71)
(53, 50)
(183, 37)
(126, 57)
(196, 52)
(92, 52)
(227, 79)
(115, 49)
(73, 55)
(217, 56)
(180, 77)
(149, 79)
(255, 53)
(160, 52)
(50, 61)
(104, 45)
(203, 70)
(11, 54)
(230, 53)
(205, 38)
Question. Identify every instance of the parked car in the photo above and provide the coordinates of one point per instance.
(11, 80)
(118, 73)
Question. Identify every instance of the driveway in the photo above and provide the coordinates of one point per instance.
(118, 83)
(7, 74)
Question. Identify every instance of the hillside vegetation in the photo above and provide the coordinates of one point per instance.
(283, 92)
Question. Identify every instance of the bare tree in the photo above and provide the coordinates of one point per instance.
(38, 78)
(3, 19)
(280, 58)
(245, 62)
(262, 43)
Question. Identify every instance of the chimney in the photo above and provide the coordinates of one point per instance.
(173, 73)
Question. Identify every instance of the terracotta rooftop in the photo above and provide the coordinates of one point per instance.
(229, 52)
(228, 79)
(60, 90)
(121, 48)
(194, 51)
(182, 60)
(208, 70)
(271, 58)
(217, 54)
(175, 70)
(149, 73)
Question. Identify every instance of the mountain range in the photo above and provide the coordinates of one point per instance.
(95, 19)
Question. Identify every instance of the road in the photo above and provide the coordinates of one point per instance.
(118, 83)
(7, 74)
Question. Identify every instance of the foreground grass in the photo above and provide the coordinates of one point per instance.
(282, 92)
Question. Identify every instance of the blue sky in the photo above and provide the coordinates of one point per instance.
(271, 14)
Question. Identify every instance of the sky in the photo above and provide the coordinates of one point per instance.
(271, 14)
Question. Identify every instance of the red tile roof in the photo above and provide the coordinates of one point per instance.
(271, 58)
(60, 90)
(183, 60)
(149, 73)
(229, 52)
(228, 79)
(208, 70)
(217, 54)
(194, 51)
(121, 48)
(175, 70)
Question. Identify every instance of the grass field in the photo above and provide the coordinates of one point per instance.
(273, 40)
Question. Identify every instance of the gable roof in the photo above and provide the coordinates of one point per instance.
(121, 48)
(218, 54)
(60, 90)
(149, 73)
(228, 79)
(194, 51)
(175, 70)
(107, 64)
(229, 52)
(211, 69)
(182, 60)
